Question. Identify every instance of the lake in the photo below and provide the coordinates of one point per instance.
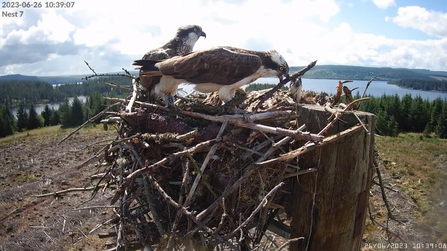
(40, 107)
(376, 88)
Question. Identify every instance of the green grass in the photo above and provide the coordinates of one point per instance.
(415, 159)
(35, 132)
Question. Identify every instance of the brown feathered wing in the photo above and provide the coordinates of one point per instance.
(221, 65)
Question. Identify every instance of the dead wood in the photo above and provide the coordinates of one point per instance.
(179, 171)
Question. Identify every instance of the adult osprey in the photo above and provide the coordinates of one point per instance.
(183, 43)
(222, 69)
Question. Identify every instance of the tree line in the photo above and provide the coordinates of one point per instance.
(27, 92)
(421, 84)
(394, 114)
(408, 114)
(69, 114)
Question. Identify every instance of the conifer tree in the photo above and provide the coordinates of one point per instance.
(441, 127)
(46, 114)
(22, 118)
(64, 113)
(33, 121)
(77, 114)
(6, 122)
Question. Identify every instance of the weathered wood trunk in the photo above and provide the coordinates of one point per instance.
(330, 204)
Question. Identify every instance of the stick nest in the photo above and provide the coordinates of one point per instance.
(194, 175)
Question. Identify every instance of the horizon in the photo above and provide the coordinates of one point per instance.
(367, 33)
(296, 66)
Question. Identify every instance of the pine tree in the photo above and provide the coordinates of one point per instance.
(64, 113)
(46, 114)
(77, 114)
(6, 122)
(55, 117)
(22, 118)
(419, 114)
(435, 111)
(33, 121)
(96, 104)
(405, 118)
(382, 123)
(441, 127)
(393, 127)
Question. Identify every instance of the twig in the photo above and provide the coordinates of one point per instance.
(308, 147)
(186, 212)
(301, 172)
(79, 189)
(369, 82)
(339, 113)
(90, 68)
(261, 204)
(294, 76)
(150, 202)
(130, 178)
(204, 164)
(385, 200)
(134, 96)
(246, 174)
(119, 87)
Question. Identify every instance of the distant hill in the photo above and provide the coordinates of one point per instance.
(53, 79)
(49, 79)
(345, 72)
(339, 72)
(421, 79)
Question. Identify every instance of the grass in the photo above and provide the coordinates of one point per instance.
(35, 132)
(40, 133)
(417, 165)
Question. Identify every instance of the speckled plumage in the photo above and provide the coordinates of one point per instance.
(181, 44)
(222, 69)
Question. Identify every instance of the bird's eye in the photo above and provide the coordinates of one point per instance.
(195, 29)
(281, 68)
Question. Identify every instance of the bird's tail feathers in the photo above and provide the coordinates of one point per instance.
(147, 65)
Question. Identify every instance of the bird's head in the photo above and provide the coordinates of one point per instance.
(189, 34)
(277, 64)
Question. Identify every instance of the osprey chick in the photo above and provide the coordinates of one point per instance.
(183, 43)
(222, 69)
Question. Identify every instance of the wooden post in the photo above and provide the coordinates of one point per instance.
(330, 204)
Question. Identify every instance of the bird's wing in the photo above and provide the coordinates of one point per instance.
(149, 81)
(220, 65)
(157, 54)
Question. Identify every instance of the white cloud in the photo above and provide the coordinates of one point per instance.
(430, 22)
(111, 34)
(384, 4)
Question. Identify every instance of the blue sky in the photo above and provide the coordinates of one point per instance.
(110, 34)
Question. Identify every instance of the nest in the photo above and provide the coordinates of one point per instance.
(200, 175)
(193, 176)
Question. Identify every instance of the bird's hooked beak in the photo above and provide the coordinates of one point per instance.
(282, 76)
(202, 34)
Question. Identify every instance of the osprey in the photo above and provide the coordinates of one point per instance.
(183, 43)
(296, 87)
(223, 69)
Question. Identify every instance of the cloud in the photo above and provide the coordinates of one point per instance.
(384, 4)
(430, 22)
(111, 34)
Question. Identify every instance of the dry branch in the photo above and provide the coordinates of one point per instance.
(213, 179)
(70, 190)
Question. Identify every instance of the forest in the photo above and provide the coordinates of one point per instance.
(395, 115)
(421, 84)
(27, 92)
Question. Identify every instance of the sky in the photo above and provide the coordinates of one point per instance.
(110, 34)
